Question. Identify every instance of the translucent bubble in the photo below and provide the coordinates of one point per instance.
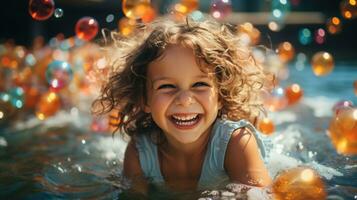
(109, 18)
(342, 105)
(41, 9)
(266, 126)
(126, 26)
(220, 9)
(58, 13)
(343, 129)
(286, 51)
(86, 28)
(299, 183)
(305, 36)
(322, 63)
(276, 100)
(293, 93)
(135, 9)
(197, 16)
(59, 74)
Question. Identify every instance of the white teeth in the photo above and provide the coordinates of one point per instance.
(185, 118)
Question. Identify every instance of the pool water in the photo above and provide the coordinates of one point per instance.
(60, 158)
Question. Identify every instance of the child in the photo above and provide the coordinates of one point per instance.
(185, 93)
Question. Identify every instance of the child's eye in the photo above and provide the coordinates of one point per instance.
(164, 86)
(200, 84)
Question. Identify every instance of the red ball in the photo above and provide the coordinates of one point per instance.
(41, 9)
(86, 28)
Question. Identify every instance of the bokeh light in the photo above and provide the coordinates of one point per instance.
(220, 9)
(286, 51)
(300, 183)
(348, 9)
(41, 9)
(334, 25)
(305, 36)
(48, 105)
(322, 63)
(86, 28)
(126, 26)
(58, 13)
(276, 100)
(320, 36)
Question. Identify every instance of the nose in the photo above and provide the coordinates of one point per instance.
(184, 98)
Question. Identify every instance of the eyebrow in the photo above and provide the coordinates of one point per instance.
(165, 78)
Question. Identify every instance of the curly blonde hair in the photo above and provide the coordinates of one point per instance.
(238, 77)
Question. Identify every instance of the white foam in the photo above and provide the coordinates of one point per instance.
(111, 148)
(321, 105)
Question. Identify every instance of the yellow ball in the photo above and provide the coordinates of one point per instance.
(299, 183)
(322, 63)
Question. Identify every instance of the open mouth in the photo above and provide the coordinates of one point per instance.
(185, 121)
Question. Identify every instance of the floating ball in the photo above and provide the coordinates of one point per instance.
(220, 9)
(286, 51)
(266, 126)
(86, 28)
(322, 63)
(249, 33)
(334, 25)
(99, 124)
(135, 9)
(126, 26)
(293, 93)
(343, 129)
(41, 9)
(48, 105)
(191, 5)
(59, 74)
(58, 13)
(32, 96)
(299, 183)
(348, 9)
(275, 100)
(341, 105)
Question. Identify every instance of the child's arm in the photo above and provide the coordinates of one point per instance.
(243, 162)
(132, 169)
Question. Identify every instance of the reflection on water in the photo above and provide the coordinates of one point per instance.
(66, 160)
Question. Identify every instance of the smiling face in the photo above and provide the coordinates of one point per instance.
(182, 99)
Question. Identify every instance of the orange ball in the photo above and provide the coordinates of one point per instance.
(48, 105)
(322, 63)
(126, 26)
(299, 183)
(32, 96)
(343, 131)
(191, 5)
(266, 126)
(348, 9)
(135, 9)
(286, 51)
(293, 93)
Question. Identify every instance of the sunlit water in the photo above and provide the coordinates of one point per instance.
(61, 158)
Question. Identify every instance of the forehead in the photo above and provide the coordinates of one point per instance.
(175, 61)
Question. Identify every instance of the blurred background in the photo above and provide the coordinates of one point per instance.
(52, 66)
